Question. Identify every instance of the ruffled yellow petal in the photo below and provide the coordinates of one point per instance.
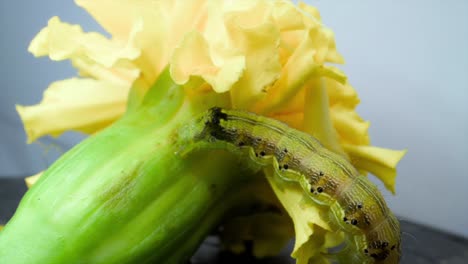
(310, 252)
(75, 104)
(253, 33)
(379, 161)
(63, 41)
(186, 63)
(162, 25)
(350, 126)
(287, 17)
(256, 38)
(332, 55)
(165, 24)
(93, 54)
(304, 64)
(341, 94)
(118, 22)
(31, 180)
(310, 10)
(312, 231)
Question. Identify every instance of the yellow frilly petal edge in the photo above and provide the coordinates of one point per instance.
(93, 54)
(313, 233)
(155, 27)
(185, 63)
(83, 105)
(379, 161)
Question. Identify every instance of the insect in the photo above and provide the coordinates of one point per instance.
(356, 205)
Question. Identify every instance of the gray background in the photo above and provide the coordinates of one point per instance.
(407, 59)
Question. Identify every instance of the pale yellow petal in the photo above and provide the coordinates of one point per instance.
(315, 249)
(293, 119)
(332, 54)
(379, 161)
(341, 94)
(151, 37)
(303, 216)
(295, 104)
(162, 25)
(311, 10)
(31, 180)
(311, 248)
(287, 16)
(63, 41)
(351, 128)
(115, 16)
(91, 53)
(75, 104)
(257, 39)
(165, 24)
(192, 58)
(317, 121)
(313, 233)
(303, 65)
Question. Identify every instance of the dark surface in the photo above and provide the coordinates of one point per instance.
(420, 244)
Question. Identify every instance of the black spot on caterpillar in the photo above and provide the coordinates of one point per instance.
(356, 205)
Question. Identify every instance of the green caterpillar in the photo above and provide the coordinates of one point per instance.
(356, 205)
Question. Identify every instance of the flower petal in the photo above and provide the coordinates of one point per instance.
(255, 37)
(332, 53)
(118, 22)
(75, 104)
(293, 119)
(350, 126)
(310, 10)
(287, 16)
(91, 53)
(310, 228)
(162, 25)
(379, 161)
(304, 64)
(192, 57)
(31, 180)
(341, 94)
(317, 121)
(320, 241)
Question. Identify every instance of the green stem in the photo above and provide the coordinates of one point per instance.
(124, 196)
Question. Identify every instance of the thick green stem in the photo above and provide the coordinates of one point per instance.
(124, 196)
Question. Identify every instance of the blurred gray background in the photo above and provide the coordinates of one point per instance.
(408, 61)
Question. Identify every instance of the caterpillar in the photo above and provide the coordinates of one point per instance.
(356, 205)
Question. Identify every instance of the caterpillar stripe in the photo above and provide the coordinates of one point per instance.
(356, 205)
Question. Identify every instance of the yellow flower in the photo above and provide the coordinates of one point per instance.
(268, 57)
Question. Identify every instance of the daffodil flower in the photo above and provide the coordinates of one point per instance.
(122, 195)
